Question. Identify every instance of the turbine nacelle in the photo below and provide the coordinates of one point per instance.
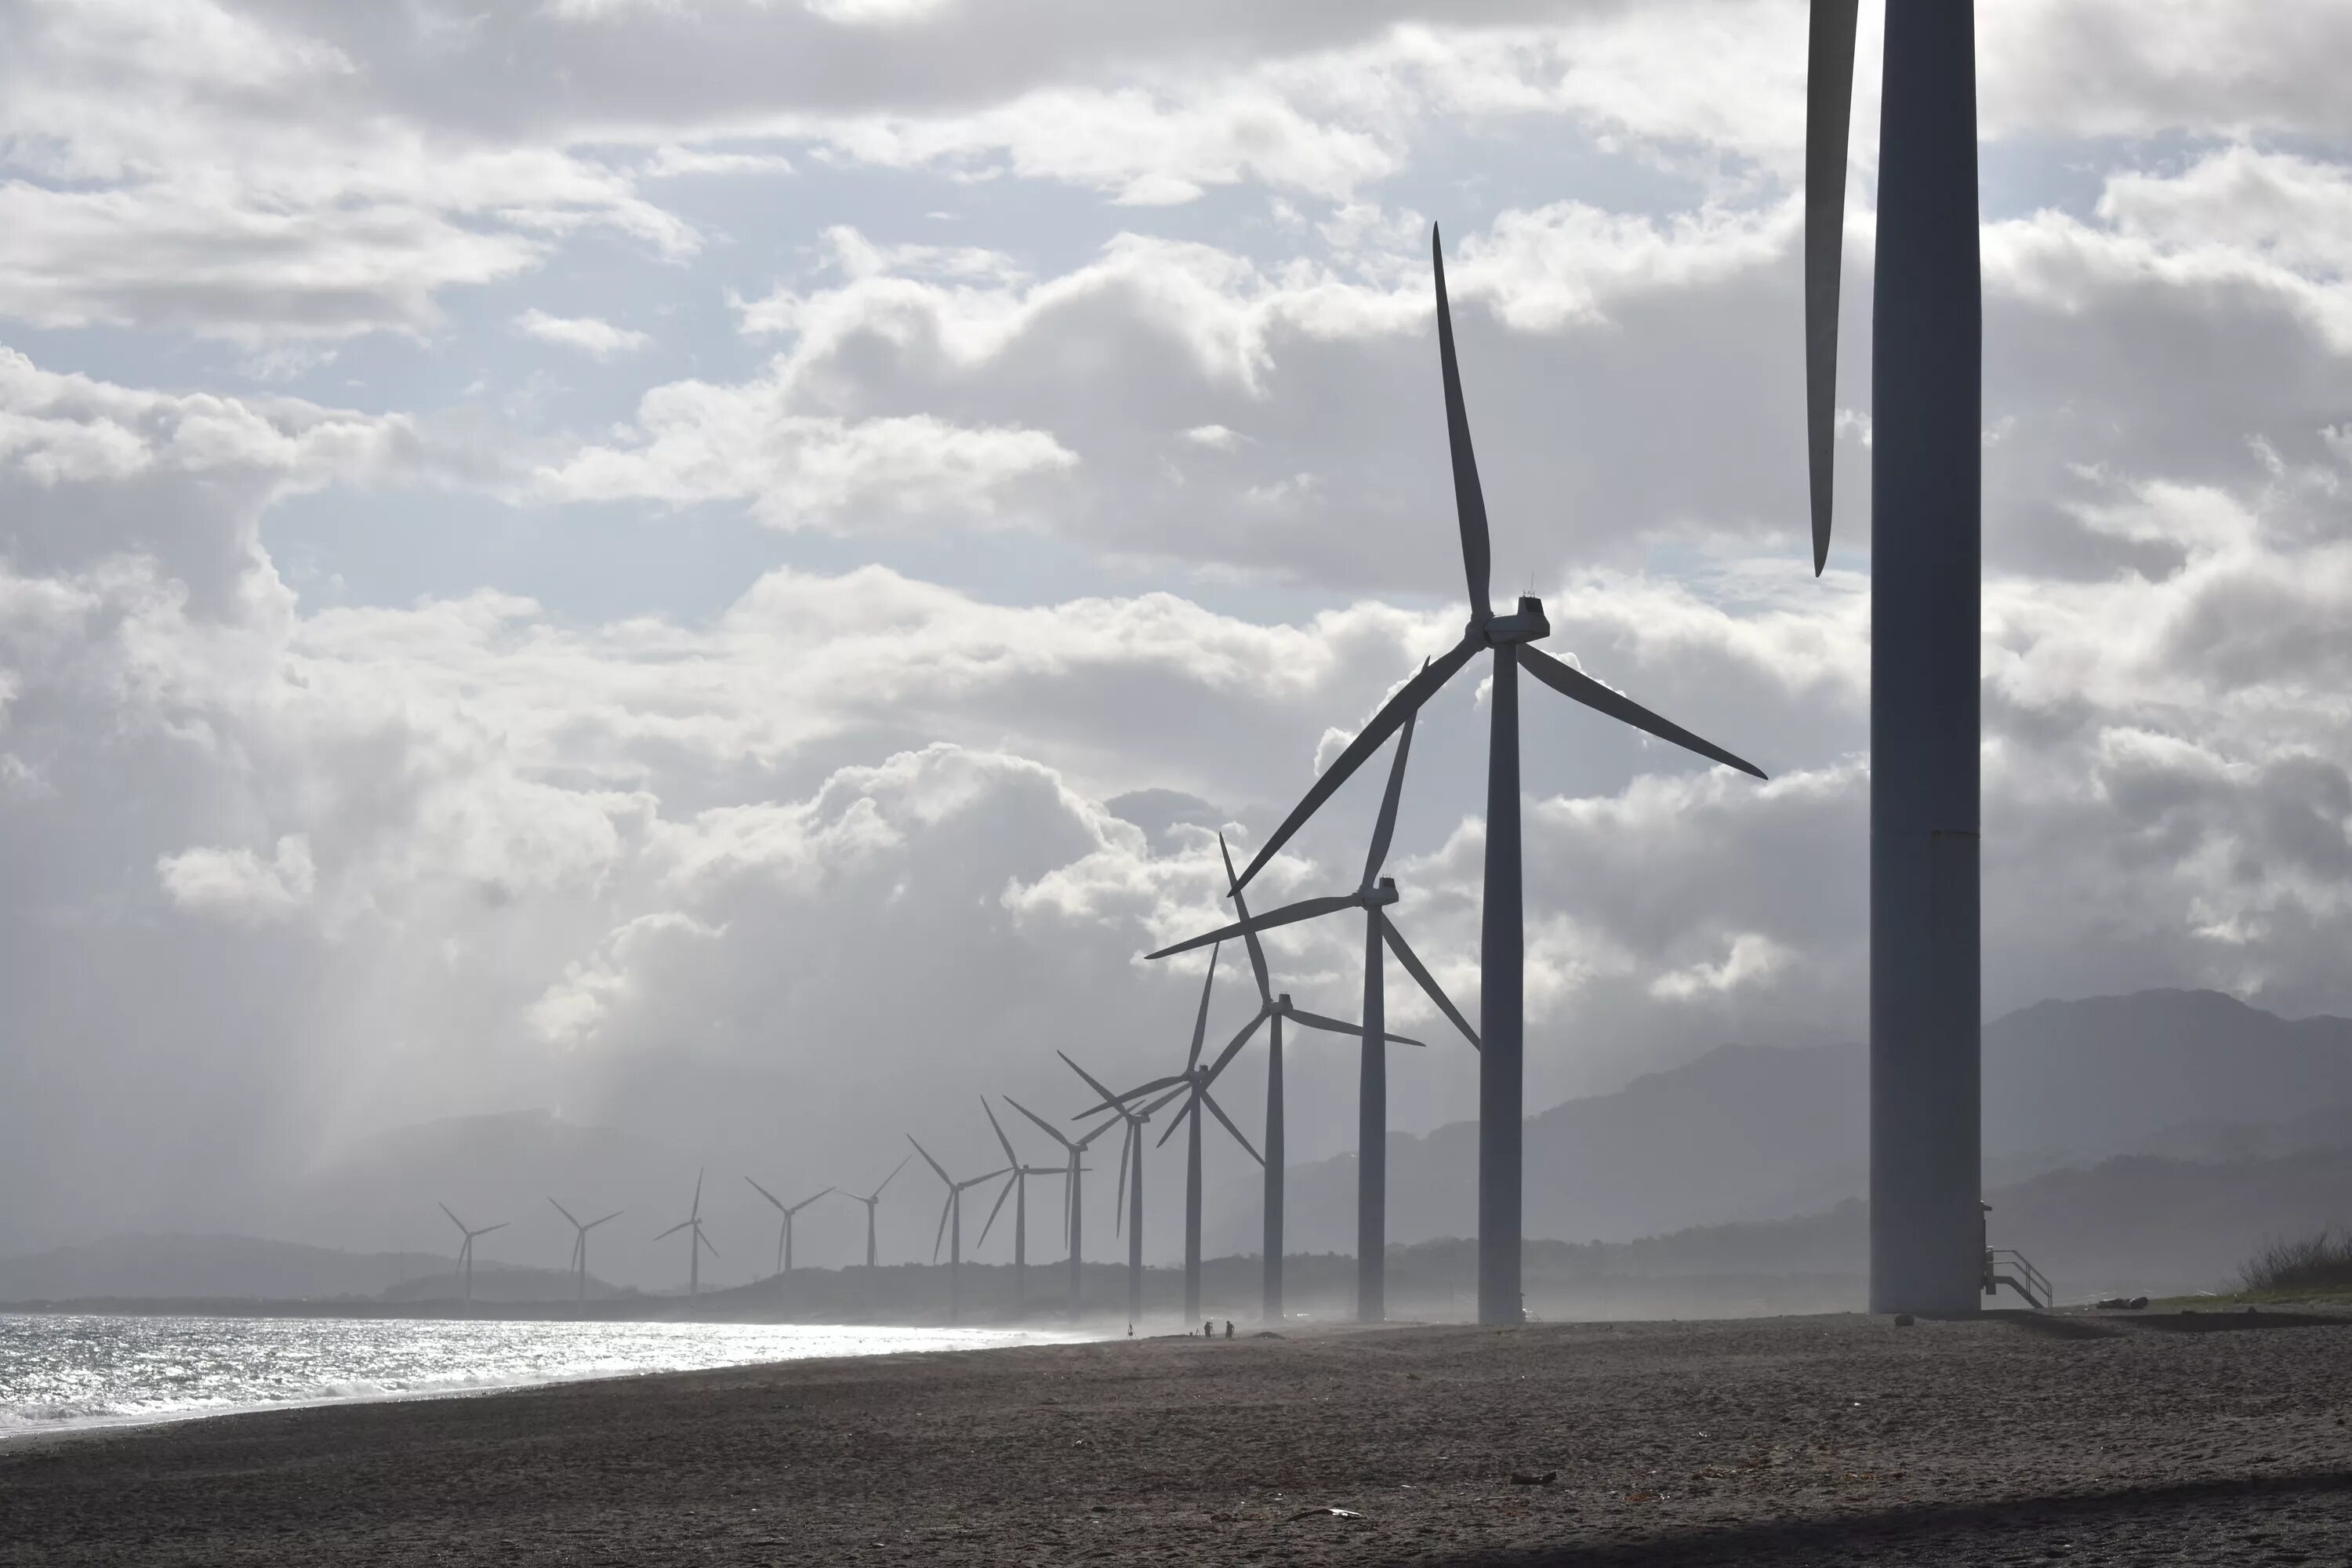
(1525, 625)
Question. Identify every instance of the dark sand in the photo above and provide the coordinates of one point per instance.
(2159, 1440)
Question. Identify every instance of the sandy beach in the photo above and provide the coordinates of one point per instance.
(2160, 1438)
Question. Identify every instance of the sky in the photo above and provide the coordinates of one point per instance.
(716, 565)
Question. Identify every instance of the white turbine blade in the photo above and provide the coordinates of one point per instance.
(1829, 115)
(771, 1197)
(942, 1235)
(934, 1164)
(1289, 914)
(806, 1201)
(891, 1177)
(1002, 1141)
(453, 1217)
(1384, 827)
(595, 1223)
(1234, 1047)
(1427, 982)
(488, 1228)
(1148, 1111)
(1409, 696)
(1005, 1192)
(704, 1241)
(1050, 1130)
(674, 1229)
(564, 1212)
(1200, 1020)
(1192, 1105)
(1092, 1082)
(1219, 1112)
(1469, 501)
(1240, 908)
(1335, 1026)
(1579, 686)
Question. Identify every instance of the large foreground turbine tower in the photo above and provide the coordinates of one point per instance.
(1926, 579)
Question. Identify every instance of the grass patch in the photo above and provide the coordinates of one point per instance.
(2305, 1265)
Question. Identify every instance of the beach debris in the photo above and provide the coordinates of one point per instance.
(1324, 1513)
(2122, 1303)
(1534, 1477)
(1904, 1319)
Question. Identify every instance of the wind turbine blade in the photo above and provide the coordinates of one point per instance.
(453, 1218)
(1002, 1193)
(1002, 1141)
(1050, 1130)
(1200, 1019)
(674, 1229)
(488, 1228)
(1240, 908)
(1148, 1111)
(934, 1164)
(1118, 1102)
(1581, 688)
(705, 1240)
(1080, 1146)
(1408, 699)
(1338, 1027)
(1469, 504)
(942, 1234)
(1427, 982)
(771, 1197)
(891, 1177)
(1289, 914)
(564, 1212)
(1385, 827)
(1191, 1102)
(595, 1223)
(1829, 114)
(1219, 1112)
(806, 1201)
(976, 1180)
(1233, 1048)
(1092, 1082)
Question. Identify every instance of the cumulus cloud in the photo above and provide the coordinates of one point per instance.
(598, 339)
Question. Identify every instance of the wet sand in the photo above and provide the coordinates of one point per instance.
(2147, 1439)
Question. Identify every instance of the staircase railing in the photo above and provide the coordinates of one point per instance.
(2020, 1276)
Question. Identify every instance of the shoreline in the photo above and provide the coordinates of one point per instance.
(1829, 1440)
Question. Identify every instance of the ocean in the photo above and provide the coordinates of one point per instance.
(59, 1372)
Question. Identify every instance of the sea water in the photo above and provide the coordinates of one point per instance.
(58, 1371)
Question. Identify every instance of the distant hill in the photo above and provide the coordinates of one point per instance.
(246, 1268)
(1748, 1132)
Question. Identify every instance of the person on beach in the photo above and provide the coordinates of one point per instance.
(1229, 1327)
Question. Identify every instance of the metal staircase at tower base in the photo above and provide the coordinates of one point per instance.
(2007, 1265)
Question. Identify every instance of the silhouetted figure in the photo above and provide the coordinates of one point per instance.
(1209, 1329)
(1229, 1327)
(1130, 1330)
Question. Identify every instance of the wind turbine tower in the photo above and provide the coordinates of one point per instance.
(1130, 1179)
(1927, 576)
(785, 1230)
(1016, 1186)
(872, 1199)
(952, 1211)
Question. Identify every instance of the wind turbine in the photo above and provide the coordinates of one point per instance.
(952, 1208)
(784, 1232)
(1016, 1185)
(1130, 1177)
(1502, 948)
(694, 1248)
(580, 1245)
(466, 1251)
(1073, 1207)
(871, 1200)
(1373, 895)
(1926, 616)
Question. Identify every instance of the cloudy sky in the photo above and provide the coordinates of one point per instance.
(719, 562)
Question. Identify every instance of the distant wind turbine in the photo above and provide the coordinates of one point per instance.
(1373, 896)
(1502, 949)
(466, 1251)
(1130, 1179)
(694, 1248)
(872, 1199)
(784, 1231)
(1016, 1186)
(579, 1264)
(1074, 1211)
(951, 1210)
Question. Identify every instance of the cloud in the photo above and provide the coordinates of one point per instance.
(240, 884)
(597, 339)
